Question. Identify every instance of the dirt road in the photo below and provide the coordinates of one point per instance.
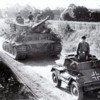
(43, 68)
(38, 72)
(43, 88)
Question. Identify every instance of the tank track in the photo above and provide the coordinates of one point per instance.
(58, 48)
(55, 49)
(21, 52)
(16, 52)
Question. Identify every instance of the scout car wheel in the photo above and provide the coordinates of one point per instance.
(76, 91)
(55, 79)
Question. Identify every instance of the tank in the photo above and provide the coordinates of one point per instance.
(31, 39)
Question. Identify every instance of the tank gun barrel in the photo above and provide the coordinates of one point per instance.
(41, 22)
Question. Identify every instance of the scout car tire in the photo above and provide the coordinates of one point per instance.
(55, 79)
(76, 91)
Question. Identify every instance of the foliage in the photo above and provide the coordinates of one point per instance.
(1, 16)
(81, 13)
(94, 16)
(73, 13)
(36, 12)
(67, 17)
(25, 11)
(48, 12)
(68, 14)
(57, 13)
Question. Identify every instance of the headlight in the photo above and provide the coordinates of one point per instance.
(73, 65)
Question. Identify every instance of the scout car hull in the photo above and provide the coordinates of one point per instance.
(80, 77)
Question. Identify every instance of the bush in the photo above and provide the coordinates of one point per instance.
(48, 12)
(25, 11)
(67, 17)
(81, 13)
(68, 14)
(94, 16)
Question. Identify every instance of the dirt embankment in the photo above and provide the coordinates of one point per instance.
(72, 32)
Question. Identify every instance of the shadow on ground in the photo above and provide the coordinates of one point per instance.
(40, 61)
(88, 96)
(11, 88)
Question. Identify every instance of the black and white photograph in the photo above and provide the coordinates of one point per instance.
(49, 49)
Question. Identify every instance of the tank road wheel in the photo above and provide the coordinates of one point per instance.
(55, 79)
(19, 53)
(55, 50)
(15, 53)
(76, 91)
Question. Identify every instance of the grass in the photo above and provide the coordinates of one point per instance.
(72, 38)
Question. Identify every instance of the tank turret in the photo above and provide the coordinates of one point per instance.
(39, 23)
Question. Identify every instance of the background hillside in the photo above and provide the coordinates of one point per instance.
(71, 33)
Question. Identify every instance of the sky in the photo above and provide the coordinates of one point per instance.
(41, 4)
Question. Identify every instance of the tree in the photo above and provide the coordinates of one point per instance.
(26, 10)
(36, 12)
(67, 17)
(48, 12)
(1, 16)
(57, 12)
(11, 11)
(68, 14)
(81, 13)
(94, 16)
